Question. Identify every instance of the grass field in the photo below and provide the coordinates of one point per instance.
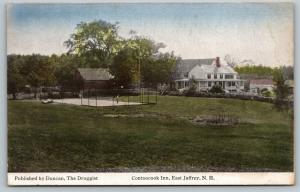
(162, 137)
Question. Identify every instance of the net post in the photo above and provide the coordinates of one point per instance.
(140, 95)
(81, 95)
(156, 96)
(148, 95)
(128, 98)
(96, 91)
(113, 100)
(61, 97)
(88, 97)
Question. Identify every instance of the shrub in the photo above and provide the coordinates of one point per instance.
(216, 89)
(266, 93)
(192, 90)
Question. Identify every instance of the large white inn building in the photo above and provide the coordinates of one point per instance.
(207, 73)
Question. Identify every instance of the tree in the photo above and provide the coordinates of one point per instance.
(257, 70)
(38, 71)
(159, 69)
(124, 68)
(33, 70)
(155, 67)
(15, 80)
(140, 61)
(281, 90)
(230, 61)
(288, 72)
(65, 67)
(97, 42)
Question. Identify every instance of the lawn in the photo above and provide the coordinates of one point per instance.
(162, 137)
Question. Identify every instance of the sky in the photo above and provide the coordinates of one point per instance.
(260, 32)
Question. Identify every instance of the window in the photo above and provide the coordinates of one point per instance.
(215, 76)
(185, 84)
(228, 76)
(186, 74)
(233, 83)
(221, 76)
(208, 76)
(209, 84)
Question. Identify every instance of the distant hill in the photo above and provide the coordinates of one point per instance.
(255, 70)
(248, 62)
(263, 72)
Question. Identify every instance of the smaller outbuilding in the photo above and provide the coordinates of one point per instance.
(257, 85)
(93, 78)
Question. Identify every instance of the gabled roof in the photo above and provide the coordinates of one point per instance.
(214, 69)
(183, 67)
(95, 74)
(186, 65)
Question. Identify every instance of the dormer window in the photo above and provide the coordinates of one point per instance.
(186, 74)
(208, 76)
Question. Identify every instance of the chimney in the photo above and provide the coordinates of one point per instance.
(218, 64)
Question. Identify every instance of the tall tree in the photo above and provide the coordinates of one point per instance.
(97, 42)
(15, 80)
(65, 67)
(33, 70)
(281, 90)
(141, 63)
(38, 71)
(124, 68)
(231, 61)
(159, 69)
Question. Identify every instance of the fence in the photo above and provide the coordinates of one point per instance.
(112, 97)
(109, 97)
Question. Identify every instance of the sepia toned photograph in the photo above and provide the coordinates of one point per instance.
(150, 93)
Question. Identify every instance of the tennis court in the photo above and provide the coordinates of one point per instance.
(95, 102)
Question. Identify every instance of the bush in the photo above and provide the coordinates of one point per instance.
(266, 93)
(192, 90)
(216, 89)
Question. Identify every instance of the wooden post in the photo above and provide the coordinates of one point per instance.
(143, 95)
(156, 96)
(148, 95)
(81, 95)
(140, 95)
(88, 97)
(96, 97)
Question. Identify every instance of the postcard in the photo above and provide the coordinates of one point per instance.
(150, 93)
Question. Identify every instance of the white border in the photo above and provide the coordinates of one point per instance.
(154, 178)
(149, 1)
(271, 179)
